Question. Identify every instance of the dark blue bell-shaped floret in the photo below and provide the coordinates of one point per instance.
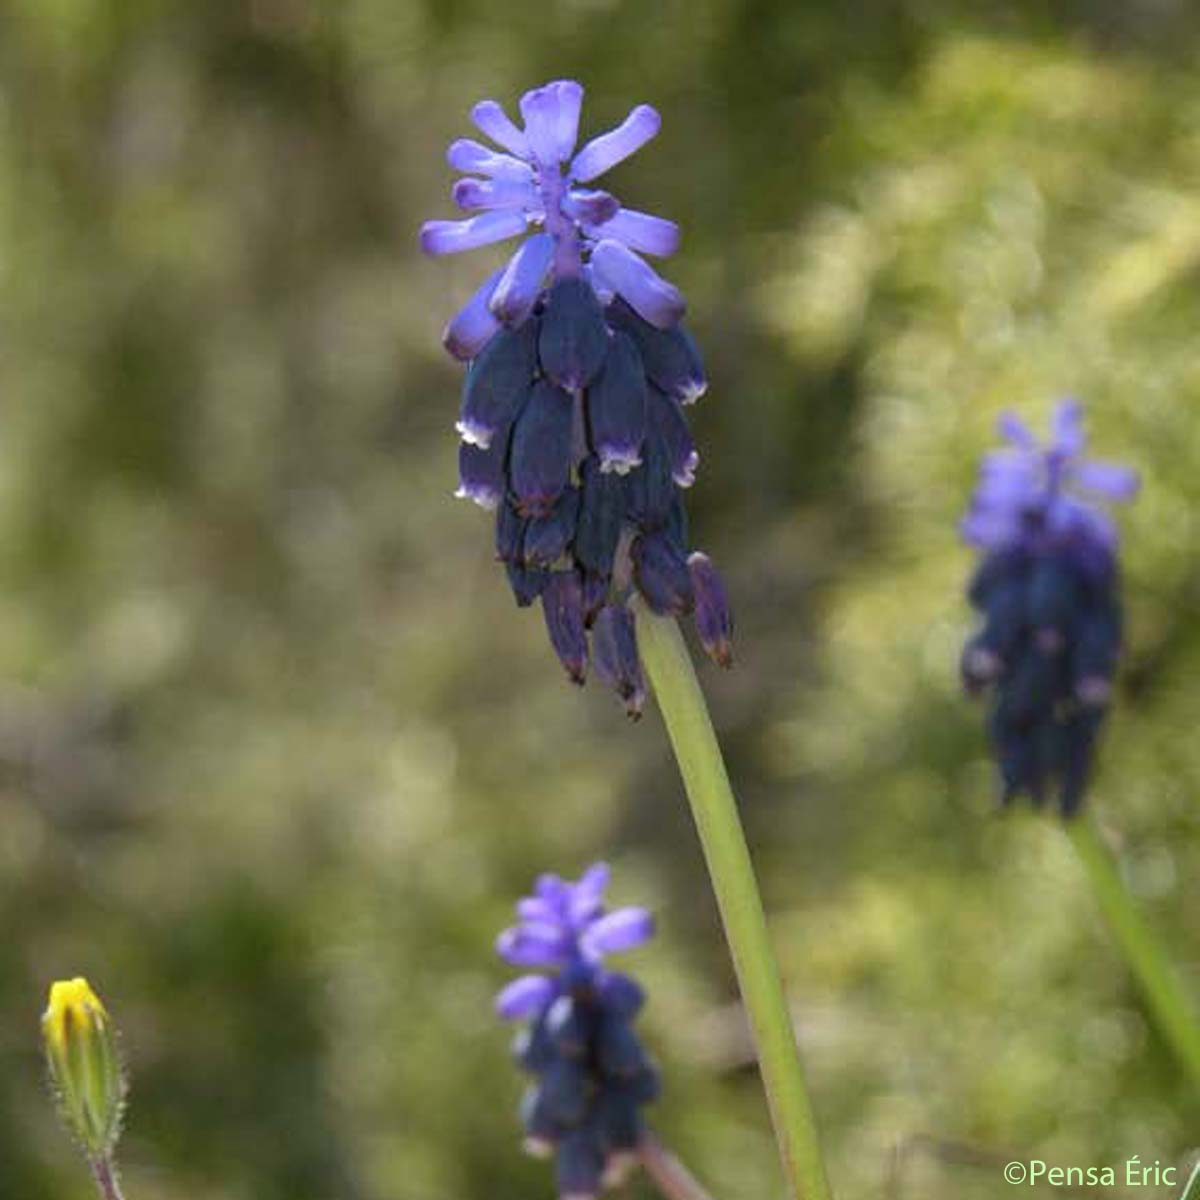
(601, 517)
(541, 449)
(1080, 732)
(671, 425)
(579, 1165)
(660, 568)
(497, 383)
(566, 1090)
(615, 656)
(567, 1028)
(547, 538)
(1055, 598)
(616, 407)
(1094, 653)
(510, 533)
(651, 491)
(595, 590)
(714, 619)
(527, 583)
(573, 339)
(562, 605)
(481, 472)
(670, 356)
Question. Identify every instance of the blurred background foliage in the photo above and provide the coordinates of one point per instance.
(276, 752)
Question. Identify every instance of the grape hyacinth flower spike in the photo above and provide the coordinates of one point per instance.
(571, 416)
(591, 1075)
(1048, 590)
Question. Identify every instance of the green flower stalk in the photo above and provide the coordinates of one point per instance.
(85, 1070)
(685, 714)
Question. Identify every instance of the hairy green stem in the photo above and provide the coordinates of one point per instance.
(1161, 987)
(669, 667)
(104, 1172)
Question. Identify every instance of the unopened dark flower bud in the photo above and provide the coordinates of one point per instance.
(497, 383)
(714, 620)
(573, 339)
(661, 570)
(562, 604)
(615, 655)
(541, 449)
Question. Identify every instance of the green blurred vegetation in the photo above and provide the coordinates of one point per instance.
(276, 751)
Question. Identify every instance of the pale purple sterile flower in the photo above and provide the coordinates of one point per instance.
(563, 927)
(1035, 497)
(537, 184)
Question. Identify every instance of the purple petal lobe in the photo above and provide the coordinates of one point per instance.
(474, 325)
(562, 606)
(493, 193)
(473, 158)
(1067, 427)
(453, 237)
(551, 115)
(588, 894)
(642, 231)
(590, 208)
(1016, 431)
(489, 118)
(618, 144)
(570, 102)
(524, 997)
(1109, 479)
(620, 930)
(522, 279)
(540, 463)
(533, 944)
(714, 621)
(533, 908)
(648, 294)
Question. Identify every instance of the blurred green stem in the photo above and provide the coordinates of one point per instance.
(1161, 987)
(669, 667)
(105, 1174)
(1191, 1189)
(670, 1176)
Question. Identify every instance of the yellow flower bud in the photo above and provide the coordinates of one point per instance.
(82, 1053)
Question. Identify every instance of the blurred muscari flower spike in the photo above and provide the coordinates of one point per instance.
(84, 1064)
(571, 419)
(591, 1076)
(1048, 590)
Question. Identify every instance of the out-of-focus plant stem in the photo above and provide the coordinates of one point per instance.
(1173, 1012)
(670, 1176)
(105, 1174)
(685, 714)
